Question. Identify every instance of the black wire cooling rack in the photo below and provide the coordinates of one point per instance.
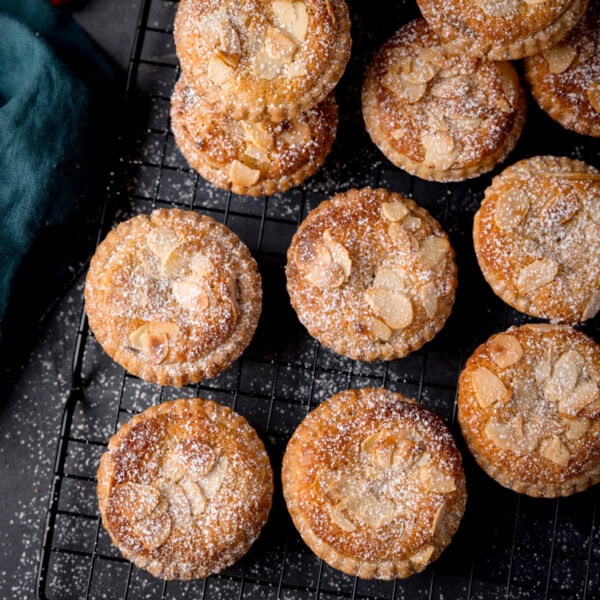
(508, 546)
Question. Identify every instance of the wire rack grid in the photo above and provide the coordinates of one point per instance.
(508, 546)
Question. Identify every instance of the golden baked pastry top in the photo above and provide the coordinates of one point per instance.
(529, 409)
(185, 488)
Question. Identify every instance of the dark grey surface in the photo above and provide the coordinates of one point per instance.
(31, 407)
(508, 546)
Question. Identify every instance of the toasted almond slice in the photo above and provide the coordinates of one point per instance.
(240, 174)
(155, 346)
(211, 482)
(279, 45)
(195, 456)
(505, 436)
(337, 516)
(440, 149)
(593, 94)
(559, 57)
(201, 267)
(429, 299)
(163, 327)
(218, 70)
(394, 211)
(284, 13)
(153, 531)
(190, 294)
(135, 500)
(505, 350)
(298, 134)
(543, 369)
(422, 557)
(300, 25)
(297, 68)
(412, 223)
(421, 71)
(316, 262)
(379, 330)
(406, 91)
(434, 55)
(333, 485)
(564, 376)
(195, 496)
(559, 209)
(256, 153)
(576, 428)
(592, 307)
(395, 308)
(555, 450)
(435, 481)
(339, 254)
(267, 67)
(584, 394)
(163, 242)
(402, 239)
(451, 87)
(497, 8)
(433, 252)
(372, 512)
(230, 47)
(390, 278)
(488, 388)
(511, 208)
(510, 82)
(258, 134)
(438, 519)
(536, 274)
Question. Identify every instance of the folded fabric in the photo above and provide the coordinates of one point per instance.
(53, 84)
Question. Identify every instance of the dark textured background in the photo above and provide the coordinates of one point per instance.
(508, 546)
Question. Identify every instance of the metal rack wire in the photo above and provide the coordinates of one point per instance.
(509, 546)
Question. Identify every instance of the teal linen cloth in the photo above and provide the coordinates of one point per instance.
(53, 90)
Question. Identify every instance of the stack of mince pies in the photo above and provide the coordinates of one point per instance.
(441, 100)
(254, 109)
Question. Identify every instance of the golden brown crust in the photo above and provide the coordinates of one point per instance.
(371, 274)
(255, 158)
(374, 484)
(173, 297)
(529, 409)
(537, 238)
(185, 488)
(254, 59)
(436, 111)
(565, 80)
(503, 29)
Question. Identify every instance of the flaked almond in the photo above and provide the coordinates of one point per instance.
(213, 480)
(153, 531)
(201, 267)
(555, 450)
(438, 519)
(488, 388)
(155, 346)
(267, 67)
(451, 87)
(390, 278)
(434, 55)
(297, 68)
(511, 208)
(420, 71)
(406, 91)
(339, 254)
(337, 516)
(559, 57)
(573, 403)
(317, 264)
(576, 428)
(369, 510)
(412, 223)
(196, 457)
(564, 378)
(300, 25)
(559, 209)
(395, 308)
(506, 436)
(258, 134)
(429, 299)
(190, 294)
(497, 8)
(394, 211)
(135, 500)
(593, 94)
(433, 480)
(379, 330)
(505, 350)
(440, 150)
(284, 12)
(218, 70)
(163, 243)
(279, 45)
(543, 369)
(230, 48)
(510, 82)
(402, 238)
(433, 251)
(297, 134)
(195, 496)
(240, 174)
(254, 153)
(592, 307)
(333, 485)
(536, 274)
(179, 506)
(422, 557)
